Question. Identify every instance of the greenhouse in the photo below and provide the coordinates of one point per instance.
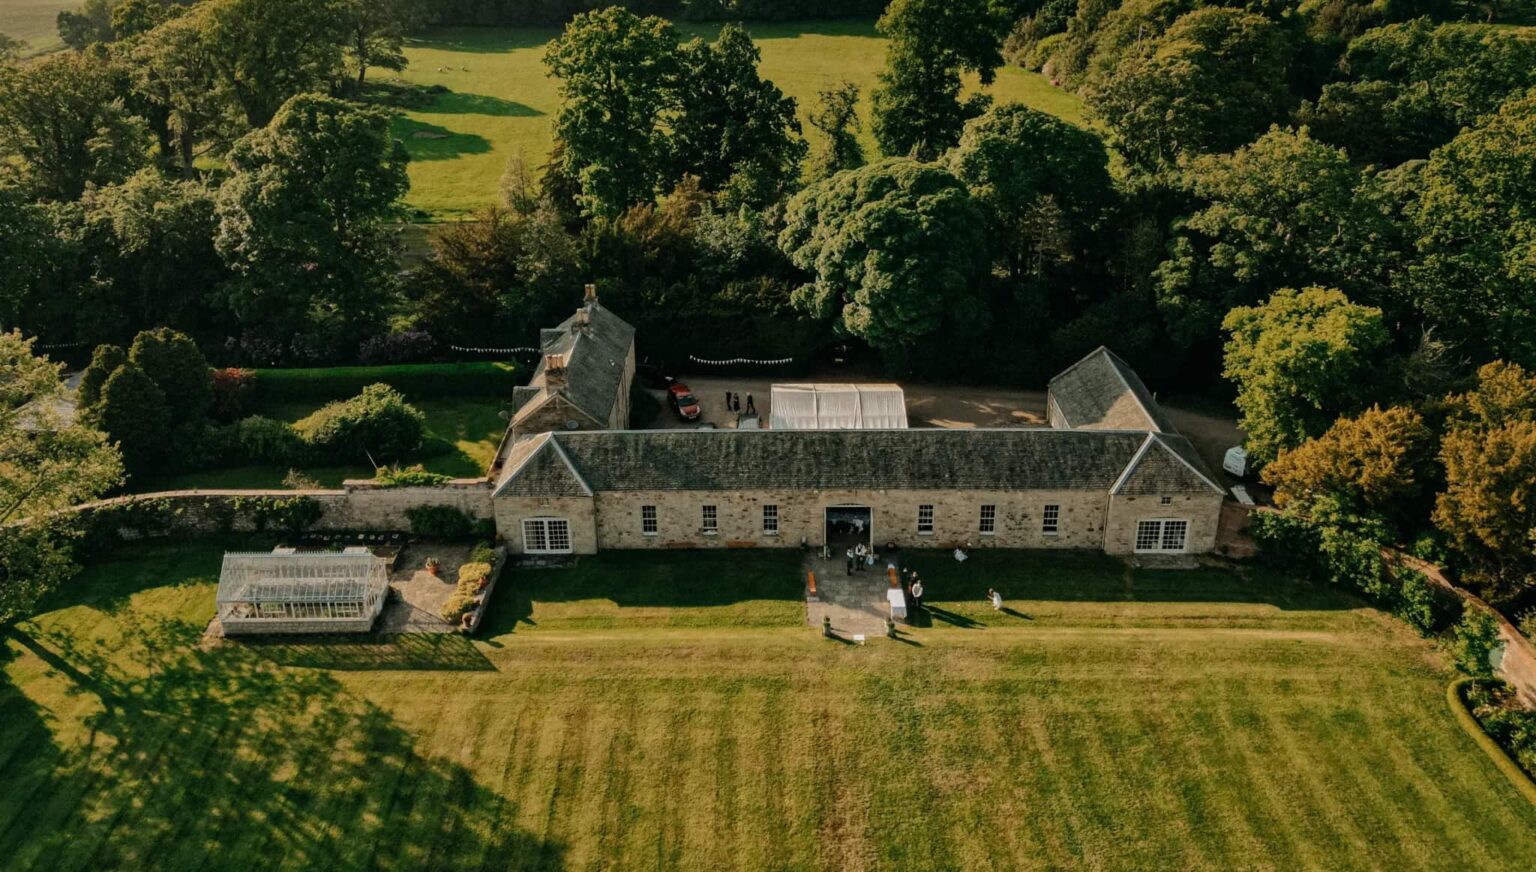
(289, 592)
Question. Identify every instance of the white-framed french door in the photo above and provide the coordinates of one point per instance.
(1162, 535)
(546, 536)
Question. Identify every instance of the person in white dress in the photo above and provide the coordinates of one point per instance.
(996, 598)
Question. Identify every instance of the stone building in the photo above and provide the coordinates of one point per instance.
(1111, 473)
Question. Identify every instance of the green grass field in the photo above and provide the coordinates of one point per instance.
(33, 21)
(671, 711)
(502, 103)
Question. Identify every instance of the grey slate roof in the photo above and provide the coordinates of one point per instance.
(594, 359)
(1167, 464)
(1009, 459)
(1101, 391)
(537, 467)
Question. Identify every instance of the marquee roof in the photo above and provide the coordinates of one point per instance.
(838, 407)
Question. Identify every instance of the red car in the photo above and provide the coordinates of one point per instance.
(683, 402)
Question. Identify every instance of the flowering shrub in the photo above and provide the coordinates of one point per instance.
(411, 346)
(230, 386)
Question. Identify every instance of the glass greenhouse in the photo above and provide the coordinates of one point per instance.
(287, 592)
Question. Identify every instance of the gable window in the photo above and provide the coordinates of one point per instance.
(1050, 519)
(1161, 535)
(771, 519)
(648, 525)
(710, 522)
(1165, 501)
(925, 519)
(988, 523)
(546, 536)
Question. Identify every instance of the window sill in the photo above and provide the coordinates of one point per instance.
(986, 532)
(773, 533)
(650, 535)
(925, 532)
(1050, 533)
(709, 532)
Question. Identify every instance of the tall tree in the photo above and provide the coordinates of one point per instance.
(172, 68)
(177, 367)
(267, 51)
(618, 75)
(63, 123)
(1299, 361)
(894, 250)
(1021, 164)
(91, 24)
(918, 110)
(1372, 464)
(836, 115)
(1476, 228)
(1211, 83)
(375, 33)
(11, 48)
(302, 217)
(733, 128)
(47, 465)
(1260, 230)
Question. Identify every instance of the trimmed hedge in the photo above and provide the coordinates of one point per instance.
(421, 380)
(1461, 707)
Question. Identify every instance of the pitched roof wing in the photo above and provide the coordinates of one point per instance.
(538, 467)
(595, 357)
(1101, 391)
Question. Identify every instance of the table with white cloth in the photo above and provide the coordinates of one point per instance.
(898, 599)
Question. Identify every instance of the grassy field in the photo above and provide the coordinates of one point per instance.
(463, 430)
(502, 104)
(670, 711)
(33, 21)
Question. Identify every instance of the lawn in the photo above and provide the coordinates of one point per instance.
(501, 103)
(34, 21)
(462, 435)
(670, 711)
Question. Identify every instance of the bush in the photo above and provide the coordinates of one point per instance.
(293, 514)
(134, 414)
(1527, 624)
(414, 380)
(104, 361)
(377, 424)
(266, 440)
(1476, 635)
(440, 522)
(472, 577)
(1417, 600)
(179, 369)
(409, 476)
(230, 387)
(483, 552)
(411, 346)
(1493, 704)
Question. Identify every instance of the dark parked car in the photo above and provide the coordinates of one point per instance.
(683, 402)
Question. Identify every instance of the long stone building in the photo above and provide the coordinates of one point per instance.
(1110, 473)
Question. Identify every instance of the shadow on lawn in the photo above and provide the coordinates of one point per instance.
(431, 142)
(456, 103)
(417, 652)
(215, 757)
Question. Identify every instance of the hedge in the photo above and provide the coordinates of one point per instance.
(1455, 696)
(416, 381)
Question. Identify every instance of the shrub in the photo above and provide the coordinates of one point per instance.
(104, 361)
(1287, 541)
(266, 440)
(288, 513)
(409, 476)
(411, 346)
(230, 387)
(472, 577)
(1416, 600)
(413, 380)
(483, 552)
(179, 369)
(439, 522)
(376, 424)
(297, 479)
(1494, 705)
(1527, 624)
(134, 414)
(1476, 635)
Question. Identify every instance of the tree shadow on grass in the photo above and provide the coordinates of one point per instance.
(416, 652)
(216, 758)
(432, 142)
(481, 40)
(456, 103)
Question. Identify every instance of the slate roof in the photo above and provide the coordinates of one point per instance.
(1004, 459)
(594, 359)
(1101, 391)
(1165, 464)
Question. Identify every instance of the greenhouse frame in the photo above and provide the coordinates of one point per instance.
(307, 592)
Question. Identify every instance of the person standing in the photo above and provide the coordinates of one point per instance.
(751, 409)
(917, 593)
(727, 401)
(736, 403)
(848, 566)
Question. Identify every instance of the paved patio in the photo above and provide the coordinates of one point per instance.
(856, 603)
(422, 594)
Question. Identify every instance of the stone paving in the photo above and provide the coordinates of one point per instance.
(422, 594)
(856, 603)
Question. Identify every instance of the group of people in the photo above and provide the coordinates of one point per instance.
(914, 587)
(860, 557)
(733, 403)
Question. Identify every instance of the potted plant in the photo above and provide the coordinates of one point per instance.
(433, 565)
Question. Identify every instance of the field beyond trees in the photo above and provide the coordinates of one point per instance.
(672, 711)
(34, 21)
(502, 102)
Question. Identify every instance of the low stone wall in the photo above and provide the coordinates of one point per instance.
(356, 506)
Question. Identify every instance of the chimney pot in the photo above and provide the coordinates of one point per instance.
(591, 293)
(554, 371)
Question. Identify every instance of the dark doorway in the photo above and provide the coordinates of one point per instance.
(848, 526)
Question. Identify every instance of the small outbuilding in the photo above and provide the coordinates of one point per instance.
(838, 407)
(304, 592)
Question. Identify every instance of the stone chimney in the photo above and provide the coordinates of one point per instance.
(582, 321)
(554, 371)
(591, 295)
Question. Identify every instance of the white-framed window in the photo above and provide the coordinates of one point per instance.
(546, 536)
(648, 525)
(988, 522)
(1165, 501)
(1050, 519)
(709, 519)
(1162, 535)
(771, 519)
(925, 519)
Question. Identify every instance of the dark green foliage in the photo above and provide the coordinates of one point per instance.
(416, 381)
(104, 361)
(1474, 638)
(134, 414)
(408, 476)
(439, 522)
(173, 361)
(894, 250)
(1505, 719)
(293, 514)
(377, 424)
(264, 440)
(264, 52)
(836, 116)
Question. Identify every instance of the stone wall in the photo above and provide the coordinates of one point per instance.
(512, 511)
(1202, 511)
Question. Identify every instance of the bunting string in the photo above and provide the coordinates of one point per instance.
(738, 360)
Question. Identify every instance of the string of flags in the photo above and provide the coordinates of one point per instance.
(56, 345)
(519, 350)
(739, 360)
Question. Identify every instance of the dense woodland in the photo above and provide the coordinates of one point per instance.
(1330, 204)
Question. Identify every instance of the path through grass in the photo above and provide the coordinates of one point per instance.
(670, 711)
(501, 103)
